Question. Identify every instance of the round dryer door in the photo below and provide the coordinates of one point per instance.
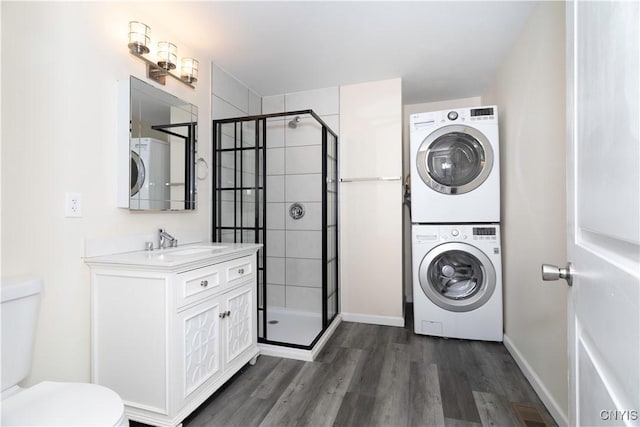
(454, 159)
(136, 174)
(457, 277)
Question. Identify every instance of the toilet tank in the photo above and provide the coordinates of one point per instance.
(20, 298)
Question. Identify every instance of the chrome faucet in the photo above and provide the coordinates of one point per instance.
(167, 240)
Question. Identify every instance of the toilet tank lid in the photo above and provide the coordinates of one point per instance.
(20, 287)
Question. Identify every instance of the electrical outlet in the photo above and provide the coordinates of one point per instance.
(73, 205)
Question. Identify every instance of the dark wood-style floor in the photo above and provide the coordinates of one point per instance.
(370, 375)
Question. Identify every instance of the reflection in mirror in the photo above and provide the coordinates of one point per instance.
(162, 144)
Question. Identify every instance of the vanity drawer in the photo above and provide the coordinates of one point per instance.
(239, 270)
(196, 284)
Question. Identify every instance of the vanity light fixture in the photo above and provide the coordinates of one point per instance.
(189, 70)
(166, 57)
(139, 38)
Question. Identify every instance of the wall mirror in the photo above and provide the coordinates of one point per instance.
(160, 149)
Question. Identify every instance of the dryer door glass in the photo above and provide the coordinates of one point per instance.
(457, 277)
(454, 159)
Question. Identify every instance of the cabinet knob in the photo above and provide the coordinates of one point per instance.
(222, 315)
(241, 271)
(228, 313)
(204, 283)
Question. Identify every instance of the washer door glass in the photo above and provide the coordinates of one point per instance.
(455, 159)
(457, 277)
(136, 174)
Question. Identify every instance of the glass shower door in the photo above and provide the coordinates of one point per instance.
(276, 184)
(239, 211)
(331, 226)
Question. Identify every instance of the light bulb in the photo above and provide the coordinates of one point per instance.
(139, 37)
(167, 55)
(189, 70)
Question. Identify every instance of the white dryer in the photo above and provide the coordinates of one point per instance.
(149, 174)
(455, 166)
(457, 281)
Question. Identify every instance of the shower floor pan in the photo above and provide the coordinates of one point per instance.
(292, 326)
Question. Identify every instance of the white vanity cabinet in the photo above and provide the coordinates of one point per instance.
(168, 331)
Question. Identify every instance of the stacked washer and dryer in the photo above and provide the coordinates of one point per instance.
(455, 215)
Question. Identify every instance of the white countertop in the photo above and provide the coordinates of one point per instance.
(182, 257)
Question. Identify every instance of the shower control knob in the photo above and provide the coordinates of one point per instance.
(452, 115)
(296, 210)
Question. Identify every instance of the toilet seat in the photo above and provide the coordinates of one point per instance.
(64, 404)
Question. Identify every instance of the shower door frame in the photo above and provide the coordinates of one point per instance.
(217, 228)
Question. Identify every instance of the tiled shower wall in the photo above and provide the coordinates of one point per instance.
(231, 98)
(294, 172)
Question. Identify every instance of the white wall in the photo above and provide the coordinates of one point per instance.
(60, 65)
(371, 211)
(529, 89)
(408, 110)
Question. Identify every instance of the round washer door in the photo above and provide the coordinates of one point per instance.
(454, 159)
(457, 277)
(136, 174)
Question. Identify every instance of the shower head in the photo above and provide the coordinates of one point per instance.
(294, 123)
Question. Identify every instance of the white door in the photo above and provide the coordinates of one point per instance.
(603, 212)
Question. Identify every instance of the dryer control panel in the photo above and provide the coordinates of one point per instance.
(420, 121)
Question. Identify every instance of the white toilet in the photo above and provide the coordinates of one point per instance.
(46, 403)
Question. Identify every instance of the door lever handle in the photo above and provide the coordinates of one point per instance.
(553, 272)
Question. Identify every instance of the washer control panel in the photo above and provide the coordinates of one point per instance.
(468, 232)
(484, 233)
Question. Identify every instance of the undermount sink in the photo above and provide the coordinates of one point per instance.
(193, 250)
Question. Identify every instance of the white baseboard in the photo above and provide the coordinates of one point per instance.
(373, 319)
(285, 352)
(552, 405)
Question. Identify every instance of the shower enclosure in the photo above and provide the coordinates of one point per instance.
(276, 184)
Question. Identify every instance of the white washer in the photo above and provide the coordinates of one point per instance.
(455, 166)
(149, 174)
(457, 281)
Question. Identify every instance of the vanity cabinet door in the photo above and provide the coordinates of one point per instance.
(239, 323)
(200, 344)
